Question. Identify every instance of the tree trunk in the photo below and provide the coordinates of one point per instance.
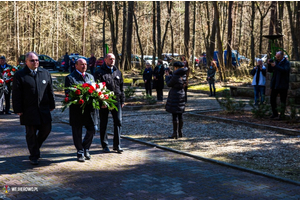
(84, 28)
(279, 22)
(159, 50)
(139, 40)
(33, 26)
(154, 34)
(272, 23)
(187, 30)
(295, 51)
(219, 42)
(229, 36)
(194, 40)
(123, 57)
(169, 7)
(129, 34)
(297, 10)
(241, 24)
(252, 33)
(103, 30)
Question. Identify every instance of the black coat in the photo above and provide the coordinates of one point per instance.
(114, 81)
(33, 96)
(281, 75)
(159, 74)
(147, 75)
(211, 72)
(76, 116)
(176, 97)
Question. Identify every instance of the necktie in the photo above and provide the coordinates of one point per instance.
(33, 73)
(83, 75)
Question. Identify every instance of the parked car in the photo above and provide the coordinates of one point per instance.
(148, 58)
(44, 61)
(61, 61)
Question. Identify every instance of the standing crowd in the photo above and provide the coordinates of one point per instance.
(33, 97)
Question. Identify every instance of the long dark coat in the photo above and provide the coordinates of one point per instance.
(176, 97)
(159, 74)
(75, 111)
(281, 74)
(33, 96)
(211, 72)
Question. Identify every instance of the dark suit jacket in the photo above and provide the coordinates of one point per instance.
(33, 96)
(76, 116)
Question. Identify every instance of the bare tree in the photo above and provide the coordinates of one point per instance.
(187, 30)
(123, 57)
(252, 33)
(84, 28)
(229, 36)
(294, 37)
(219, 41)
(129, 34)
(154, 33)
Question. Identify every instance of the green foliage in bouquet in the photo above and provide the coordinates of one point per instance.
(85, 94)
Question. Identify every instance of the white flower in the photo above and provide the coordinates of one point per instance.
(101, 96)
(111, 93)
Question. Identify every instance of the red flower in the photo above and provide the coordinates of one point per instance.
(99, 93)
(85, 85)
(1, 81)
(104, 84)
(106, 96)
(90, 91)
(66, 99)
(75, 86)
(9, 74)
(67, 95)
(78, 92)
(80, 101)
(13, 69)
(7, 81)
(92, 88)
(97, 86)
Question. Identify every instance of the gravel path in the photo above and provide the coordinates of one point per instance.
(263, 150)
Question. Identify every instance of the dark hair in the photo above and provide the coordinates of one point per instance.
(280, 52)
(178, 64)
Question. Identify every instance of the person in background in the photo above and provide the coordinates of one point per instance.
(211, 73)
(4, 65)
(33, 100)
(158, 79)
(99, 63)
(259, 81)
(77, 118)
(176, 97)
(67, 62)
(279, 82)
(92, 63)
(72, 64)
(147, 77)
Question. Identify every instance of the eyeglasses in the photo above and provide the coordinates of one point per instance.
(34, 60)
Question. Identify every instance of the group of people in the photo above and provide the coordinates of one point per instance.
(33, 100)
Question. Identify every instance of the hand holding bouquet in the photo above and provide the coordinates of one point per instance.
(89, 94)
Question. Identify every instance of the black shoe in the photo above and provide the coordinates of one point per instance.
(1, 113)
(34, 162)
(119, 150)
(87, 154)
(8, 113)
(106, 150)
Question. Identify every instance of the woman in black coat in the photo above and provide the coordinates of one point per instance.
(176, 97)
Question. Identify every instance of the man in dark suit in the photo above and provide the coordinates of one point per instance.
(112, 76)
(279, 82)
(33, 99)
(77, 118)
(4, 65)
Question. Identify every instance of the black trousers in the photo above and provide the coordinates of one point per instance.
(77, 137)
(117, 119)
(283, 95)
(159, 92)
(35, 141)
(7, 100)
(148, 88)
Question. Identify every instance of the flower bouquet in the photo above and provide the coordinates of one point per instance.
(9, 72)
(89, 94)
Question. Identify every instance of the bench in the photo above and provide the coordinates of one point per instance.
(233, 89)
